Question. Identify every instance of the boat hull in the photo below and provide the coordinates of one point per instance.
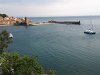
(90, 32)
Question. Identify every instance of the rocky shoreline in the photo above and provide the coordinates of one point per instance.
(11, 21)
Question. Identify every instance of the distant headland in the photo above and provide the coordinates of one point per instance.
(10, 20)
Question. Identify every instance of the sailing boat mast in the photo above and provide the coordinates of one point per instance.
(90, 31)
(91, 24)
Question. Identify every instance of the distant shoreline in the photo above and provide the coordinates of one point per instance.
(6, 25)
(33, 24)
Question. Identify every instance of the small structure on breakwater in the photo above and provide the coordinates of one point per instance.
(65, 22)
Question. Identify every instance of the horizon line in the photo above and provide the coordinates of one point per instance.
(62, 16)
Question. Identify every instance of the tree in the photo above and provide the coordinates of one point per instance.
(4, 40)
(8, 60)
(3, 15)
(28, 66)
(14, 64)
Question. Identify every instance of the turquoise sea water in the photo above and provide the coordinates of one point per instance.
(64, 48)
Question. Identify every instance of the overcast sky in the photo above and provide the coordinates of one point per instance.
(50, 7)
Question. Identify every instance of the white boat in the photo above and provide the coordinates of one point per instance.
(89, 31)
(10, 35)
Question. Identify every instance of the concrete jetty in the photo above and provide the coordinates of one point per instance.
(65, 22)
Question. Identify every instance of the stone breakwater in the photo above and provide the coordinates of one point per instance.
(65, 22)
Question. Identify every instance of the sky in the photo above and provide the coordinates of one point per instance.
(44, 8)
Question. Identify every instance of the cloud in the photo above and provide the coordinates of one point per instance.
(35, 2)
(50, 7)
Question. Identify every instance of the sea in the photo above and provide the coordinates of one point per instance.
(61, 47)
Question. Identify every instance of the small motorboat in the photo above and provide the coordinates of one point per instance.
(10, 35)
(89, 31)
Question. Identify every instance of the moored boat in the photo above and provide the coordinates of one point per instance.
(10, 35)
(89, 31)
